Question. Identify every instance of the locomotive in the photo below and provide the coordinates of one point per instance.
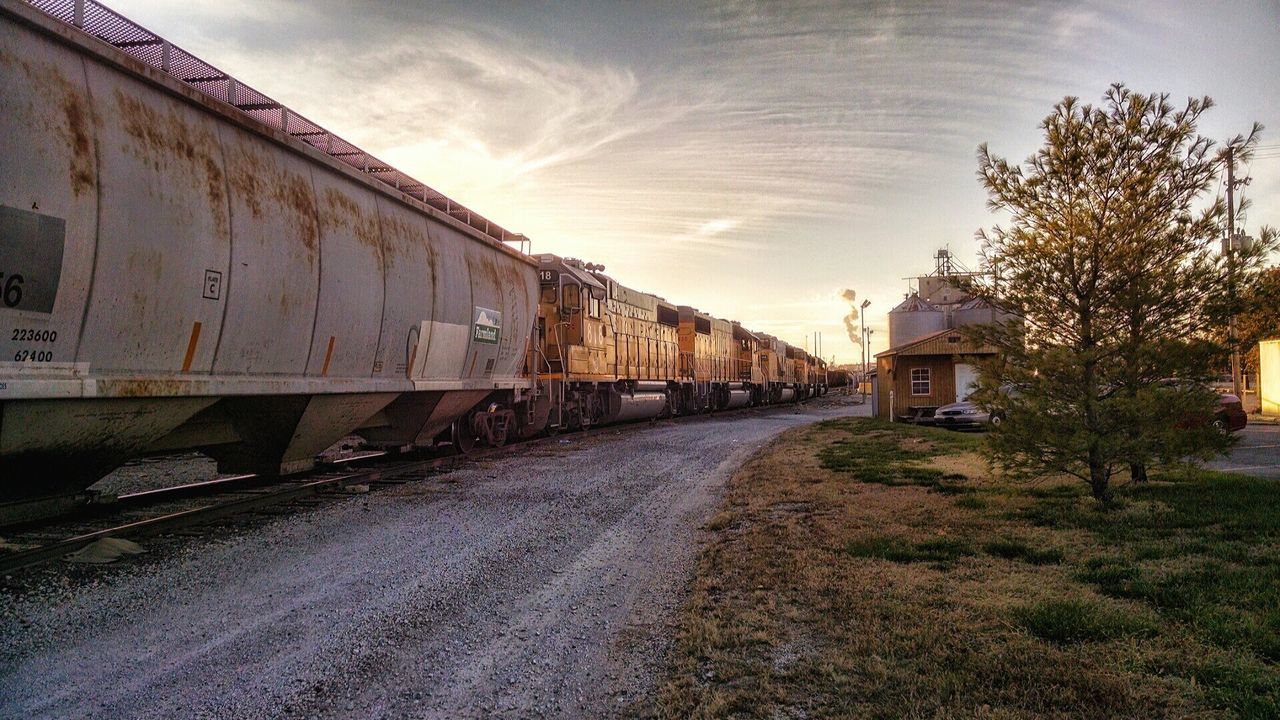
(187, 264)
(601, 352)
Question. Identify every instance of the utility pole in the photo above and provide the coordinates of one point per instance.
(862, 315)
(1236, 379)
(866, 338)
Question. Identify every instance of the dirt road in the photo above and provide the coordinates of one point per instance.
(537, 585)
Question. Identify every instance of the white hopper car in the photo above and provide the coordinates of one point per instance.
(187, 264)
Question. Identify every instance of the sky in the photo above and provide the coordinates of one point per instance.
(753, 159)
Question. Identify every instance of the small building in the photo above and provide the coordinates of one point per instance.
(1269, 377)
(923, 374)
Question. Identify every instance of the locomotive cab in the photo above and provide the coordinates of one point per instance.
(570, 302)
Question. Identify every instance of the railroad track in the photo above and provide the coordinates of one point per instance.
(241, 494)
(225, 497)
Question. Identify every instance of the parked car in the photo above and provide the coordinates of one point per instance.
(964, 415)
(1230, 415)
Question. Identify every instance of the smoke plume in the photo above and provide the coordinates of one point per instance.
(851, 320)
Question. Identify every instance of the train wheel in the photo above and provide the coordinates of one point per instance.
(464, 441)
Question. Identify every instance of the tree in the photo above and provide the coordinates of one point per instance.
(1259, 317)
(1110, 257)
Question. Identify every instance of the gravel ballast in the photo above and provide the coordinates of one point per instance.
(539, 585)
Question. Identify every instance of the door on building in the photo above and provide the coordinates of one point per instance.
(966, 380)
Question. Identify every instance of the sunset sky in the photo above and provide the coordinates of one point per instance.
(750, 159)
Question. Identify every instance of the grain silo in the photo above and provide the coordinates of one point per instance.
(914, 318)
(978, 312)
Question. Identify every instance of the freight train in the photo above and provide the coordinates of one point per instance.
(187, 264)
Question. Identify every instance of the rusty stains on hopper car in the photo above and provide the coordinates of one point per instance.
(217, 195)
(243, 174)
(486, 267)
(399, 235)
(161, 139)
(149, 387)
(295, 193)
(432, 261)
(252, 181)
(396, 233)
(77, 114)
(342, 211)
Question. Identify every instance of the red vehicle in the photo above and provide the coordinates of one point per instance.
(1230, 415)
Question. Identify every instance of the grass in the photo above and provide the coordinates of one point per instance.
(1018, 550)
(894, 454)
(1076, 620)
(941, 551)
(861, 569)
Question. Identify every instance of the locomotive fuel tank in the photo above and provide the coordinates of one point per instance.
(634, 406)
(735, 399)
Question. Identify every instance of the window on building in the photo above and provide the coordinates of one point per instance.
(920, 384)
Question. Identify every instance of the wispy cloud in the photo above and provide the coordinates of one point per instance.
(768, 113)
(729, 155)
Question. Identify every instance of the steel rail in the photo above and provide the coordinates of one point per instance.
(158, 495)
(290, 490)
(143, 498)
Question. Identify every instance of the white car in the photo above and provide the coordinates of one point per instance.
(964, 415)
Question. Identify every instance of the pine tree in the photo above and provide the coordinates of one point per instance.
(1111, 259)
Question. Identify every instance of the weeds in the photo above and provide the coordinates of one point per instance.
(720, 521)
(821, 595)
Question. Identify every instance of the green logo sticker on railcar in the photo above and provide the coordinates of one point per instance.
(487, 327)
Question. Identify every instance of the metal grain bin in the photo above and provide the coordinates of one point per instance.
(914, 318)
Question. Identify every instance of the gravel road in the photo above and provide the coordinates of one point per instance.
(539, 585)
